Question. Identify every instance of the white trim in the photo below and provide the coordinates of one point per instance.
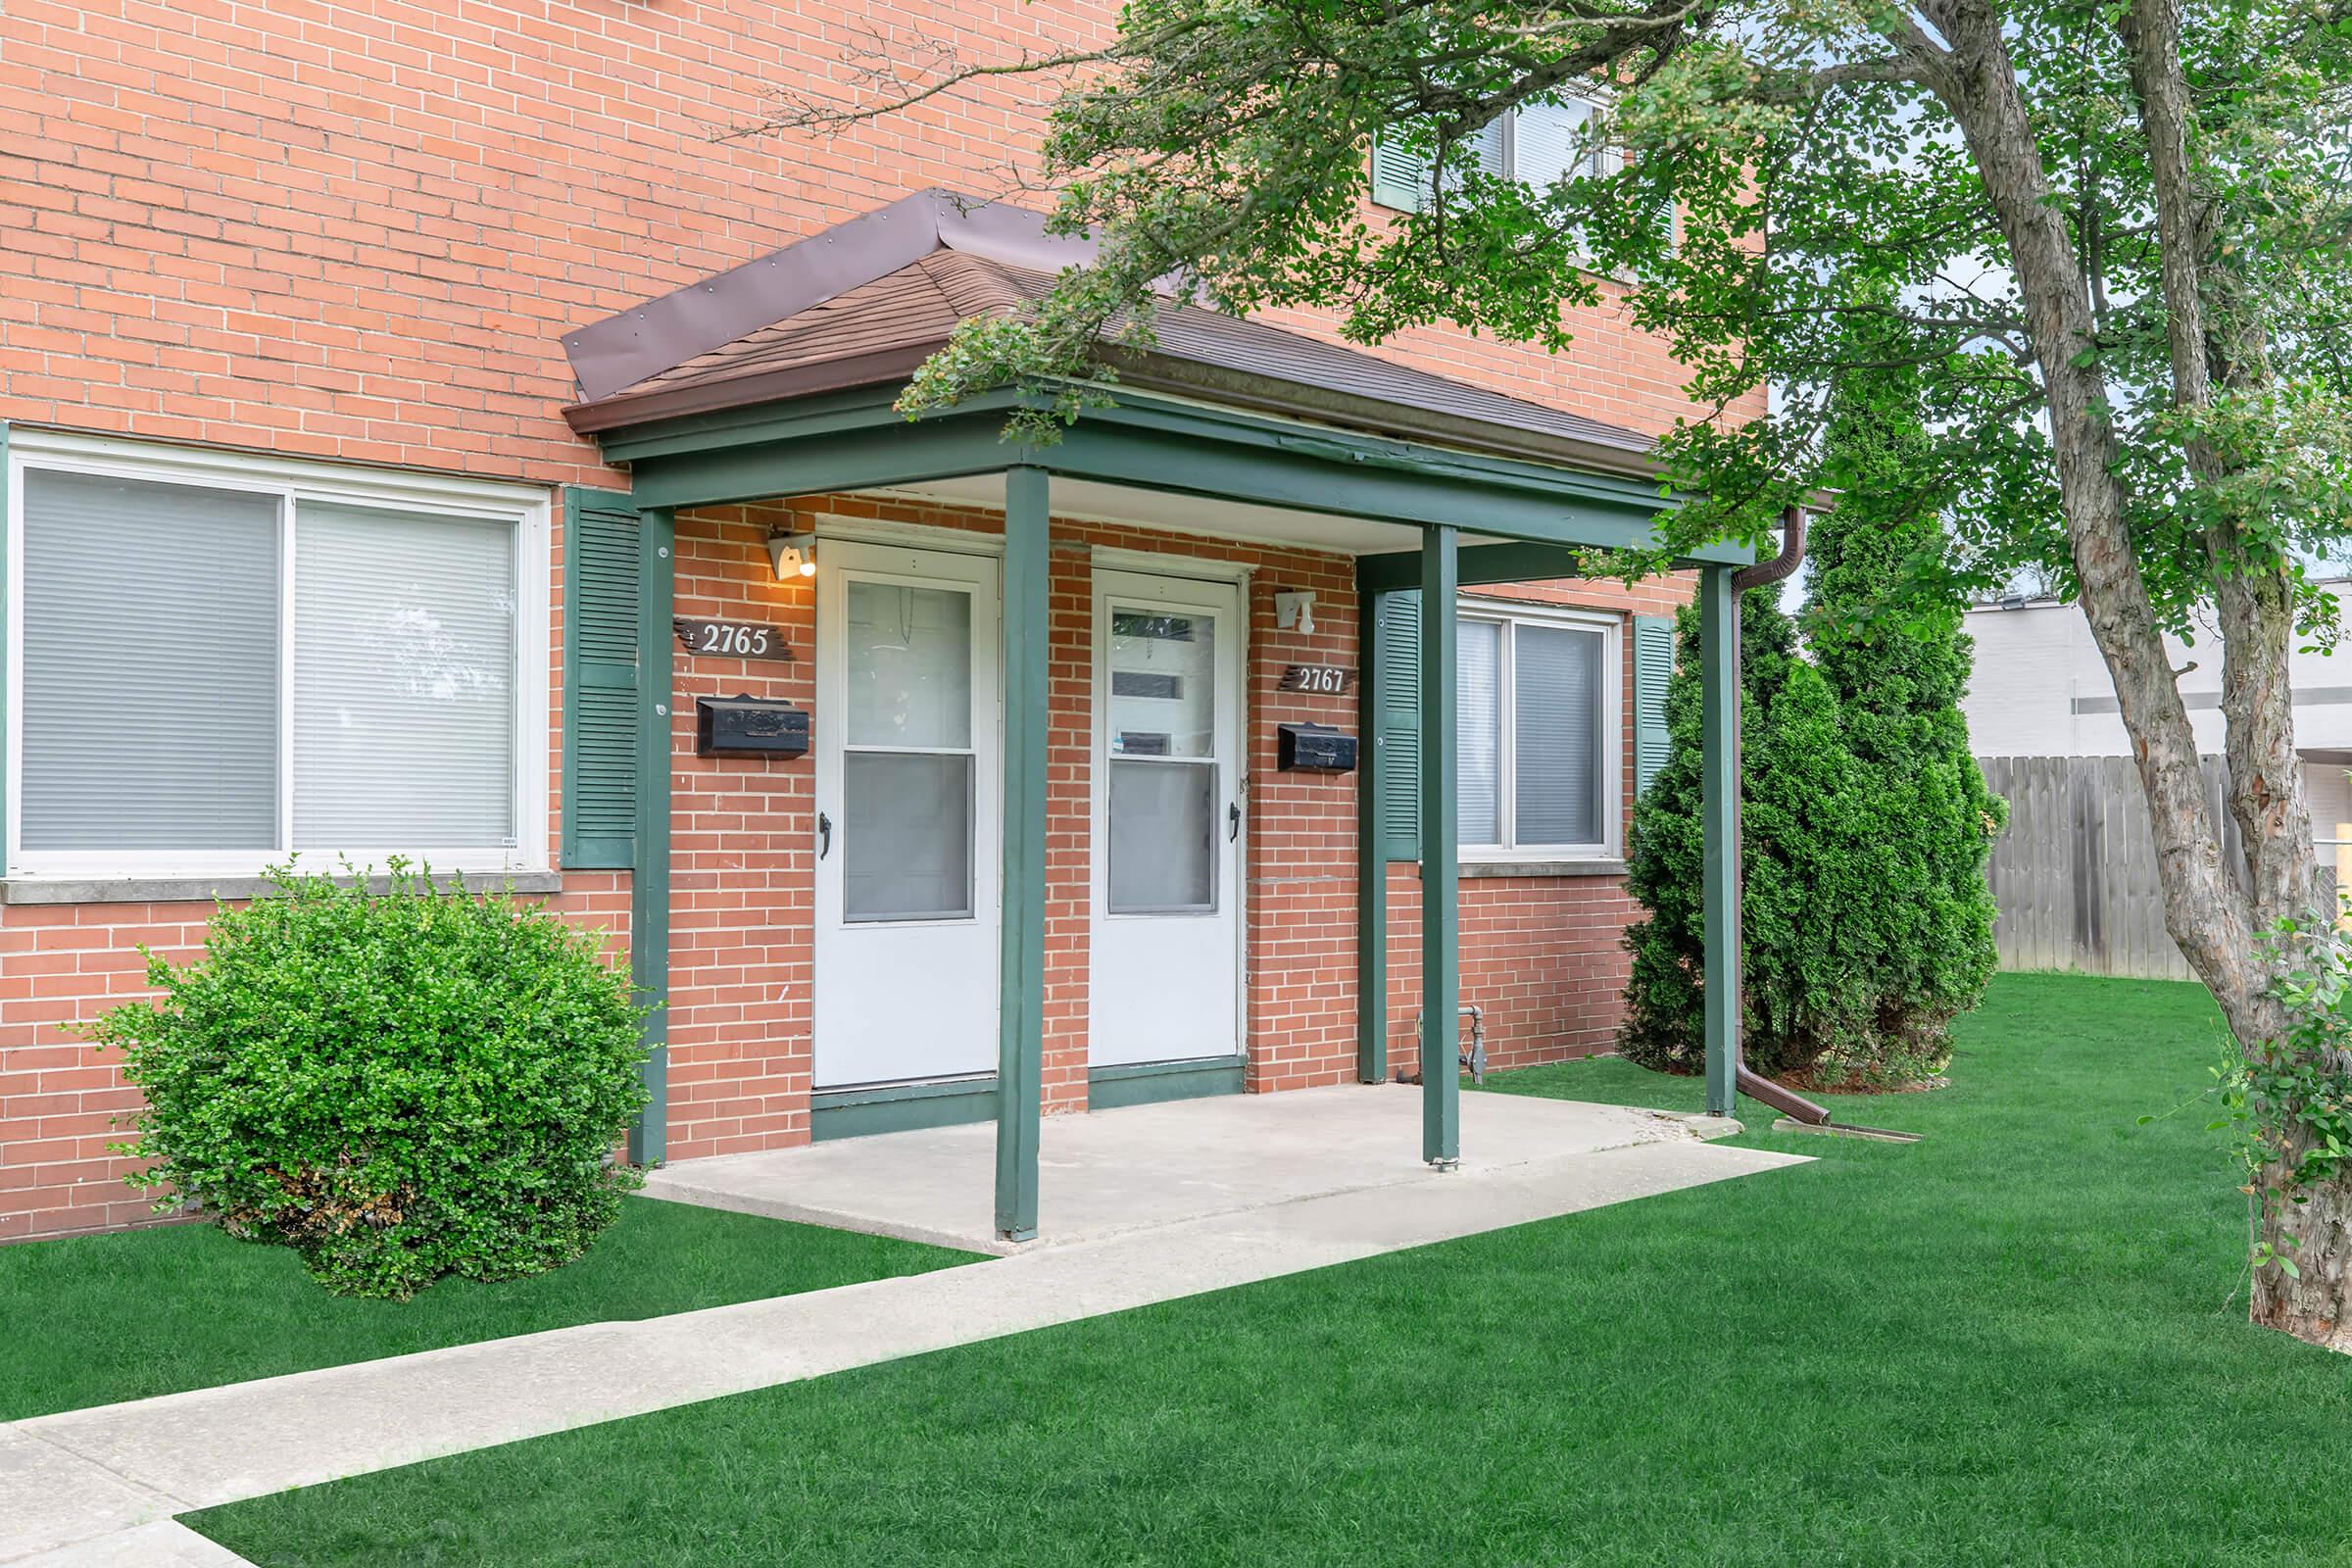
(1152, 562)
(295, 481)
(1101, 594)
(931, 963)
(1106, 557)
(227, 469)
(1611, 749)
(915, 535)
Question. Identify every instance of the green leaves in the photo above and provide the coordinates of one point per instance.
(1226, 147)
(1865, 919)
(395, 1084)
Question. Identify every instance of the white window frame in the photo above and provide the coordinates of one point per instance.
(1603, 161)
(293, 482)
(1610, 750)
(1599, 162)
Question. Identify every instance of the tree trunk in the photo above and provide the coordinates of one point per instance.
(2254, 596)
(2313, 1226)
(1978, 82)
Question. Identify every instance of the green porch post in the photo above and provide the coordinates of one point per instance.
(1441, 857)
(1021, 1039)
(649, 878)
(1371, 867)
(1719, 657)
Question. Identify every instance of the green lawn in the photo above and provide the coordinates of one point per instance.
(93, 1319)
(2015, 1343)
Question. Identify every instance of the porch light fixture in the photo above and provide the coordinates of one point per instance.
(794, 555)
(1295, 611)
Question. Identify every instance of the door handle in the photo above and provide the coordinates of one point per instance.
(825, 835)
(1233, 822)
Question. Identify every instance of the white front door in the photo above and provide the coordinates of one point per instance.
(1165, 977)
(906, 829)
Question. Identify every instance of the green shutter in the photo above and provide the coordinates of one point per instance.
(601, 679)
(1397, 731)
(1653, 668)
(1399, 175)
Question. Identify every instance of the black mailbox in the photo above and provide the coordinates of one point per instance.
(749, 726)
(1313, 749)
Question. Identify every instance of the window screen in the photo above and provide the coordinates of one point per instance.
(1556, 703)
(1478, 763)
(1549, 144)
(403, 680)
(150, 653)
(1532, 759)
(909, 771)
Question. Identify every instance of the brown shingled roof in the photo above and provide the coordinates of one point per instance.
(867, 302)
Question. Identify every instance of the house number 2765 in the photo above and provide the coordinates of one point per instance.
(733, 639)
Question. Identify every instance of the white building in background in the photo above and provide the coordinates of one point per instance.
(2040, 689)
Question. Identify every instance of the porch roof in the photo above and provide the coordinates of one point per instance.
(868, 301)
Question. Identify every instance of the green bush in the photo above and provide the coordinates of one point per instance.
(1867, 923)
(398, 1085)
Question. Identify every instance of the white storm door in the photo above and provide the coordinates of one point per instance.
(1166, 968)
(908, 777)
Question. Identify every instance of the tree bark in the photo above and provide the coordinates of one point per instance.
(1977, 80)
(2311, 1226)
(2254, 598)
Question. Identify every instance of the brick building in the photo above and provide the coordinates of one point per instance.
(368, 420)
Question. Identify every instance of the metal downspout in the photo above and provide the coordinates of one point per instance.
(1754, 1085)
(1764, 573)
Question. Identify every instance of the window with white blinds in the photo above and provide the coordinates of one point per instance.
(1538, 750)
(1539, 144)
(215, 670)
(403, 680)
(149, 651)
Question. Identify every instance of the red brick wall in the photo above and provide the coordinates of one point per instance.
(356, 231)
(59, 1096)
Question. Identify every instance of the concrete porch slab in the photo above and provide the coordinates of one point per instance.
(1112, 1172)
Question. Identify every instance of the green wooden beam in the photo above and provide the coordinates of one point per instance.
(1719, 765)
(1371, 870)
(1517, 562)
(849, 441)
(1022, 1038)
(861, 459)
(822, 415)
(649, 879)
(1441, 859)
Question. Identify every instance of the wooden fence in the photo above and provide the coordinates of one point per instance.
(2075, 875)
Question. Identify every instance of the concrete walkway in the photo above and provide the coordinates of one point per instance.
(91, 1489)
(1146, 1166)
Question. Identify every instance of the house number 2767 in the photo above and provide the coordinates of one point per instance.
(1330, 679)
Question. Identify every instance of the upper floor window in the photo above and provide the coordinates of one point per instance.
(1538, 768)
(216, 661)
(1537, 144)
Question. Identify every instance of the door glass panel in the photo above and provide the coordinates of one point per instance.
(1163, 699)
(907, 836)
(910, 665)
(1164, 826)
(1477, 718)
